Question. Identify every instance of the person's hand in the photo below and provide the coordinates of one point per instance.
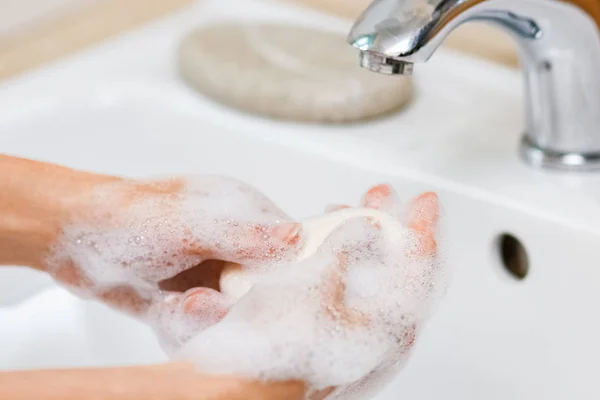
(421, 216)
(138, 245)
(86, 230)
(106, 237)
(333, 297)
(155, 249)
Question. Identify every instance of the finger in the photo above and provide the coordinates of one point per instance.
(381, 197)
(422, 218)
(356, 236)
(205, 304)
(333, 293)
(350, 242)
(287, 233)
(259, 243)
(202, 306)
(336, 207)
(177, 317)
(72, 276)
(125, 299)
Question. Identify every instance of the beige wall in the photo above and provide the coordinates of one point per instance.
(40, 31)
(16, 15)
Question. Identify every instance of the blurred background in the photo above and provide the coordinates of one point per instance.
(18, 15)
(34, 32)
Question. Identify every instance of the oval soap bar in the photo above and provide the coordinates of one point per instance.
(287, 72)
(237, 281)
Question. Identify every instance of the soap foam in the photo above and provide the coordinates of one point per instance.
(327, 322)
(162, 232)
(140, 233)
(348, 307)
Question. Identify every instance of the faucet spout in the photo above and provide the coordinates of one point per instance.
(383, 64)
(559, 44)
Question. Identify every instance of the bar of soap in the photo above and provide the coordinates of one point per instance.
(236, 281)
(287, 72)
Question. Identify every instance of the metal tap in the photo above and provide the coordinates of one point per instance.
(559, 45)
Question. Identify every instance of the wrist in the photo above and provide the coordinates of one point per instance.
(36, 200)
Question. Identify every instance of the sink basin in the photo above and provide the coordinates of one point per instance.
(120, 108)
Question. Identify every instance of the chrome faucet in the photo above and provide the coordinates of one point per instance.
(559, 43)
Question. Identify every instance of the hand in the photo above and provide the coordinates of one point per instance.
(137, 245)
(155, 249)
(333, 297)
(51, 218)
(421, 216)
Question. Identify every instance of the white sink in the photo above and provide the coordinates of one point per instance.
(120, 108)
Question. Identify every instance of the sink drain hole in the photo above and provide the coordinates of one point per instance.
(513, 256)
